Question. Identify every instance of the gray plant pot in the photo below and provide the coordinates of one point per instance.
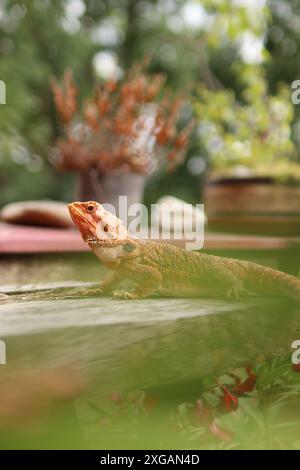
(93, 186)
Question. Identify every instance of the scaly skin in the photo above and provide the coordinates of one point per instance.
(158, 268)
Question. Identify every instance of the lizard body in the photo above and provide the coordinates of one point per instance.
(159, 268)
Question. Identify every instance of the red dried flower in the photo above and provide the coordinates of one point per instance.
(65, 97)
(118, 115)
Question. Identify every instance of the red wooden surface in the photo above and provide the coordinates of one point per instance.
(24, 239)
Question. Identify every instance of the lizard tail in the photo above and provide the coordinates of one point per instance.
(291, 288)
(271, 281)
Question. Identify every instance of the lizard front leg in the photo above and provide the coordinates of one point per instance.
(106, 286)
(147, 279)
(110, 283)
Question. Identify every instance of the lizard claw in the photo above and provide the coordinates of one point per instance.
(125, 295)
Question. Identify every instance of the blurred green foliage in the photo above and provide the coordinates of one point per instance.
(246, 130)
(249, 138)
(212, 43)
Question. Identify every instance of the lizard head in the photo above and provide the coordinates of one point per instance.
(103, 231)
(97, 225)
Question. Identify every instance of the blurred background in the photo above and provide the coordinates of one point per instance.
(235, 61)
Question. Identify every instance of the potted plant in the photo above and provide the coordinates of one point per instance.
(119, 136)
(254, 173)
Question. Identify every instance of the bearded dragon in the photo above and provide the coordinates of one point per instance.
(164, 269)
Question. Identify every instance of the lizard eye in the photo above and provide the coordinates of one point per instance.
(90, 208)
(105, 228)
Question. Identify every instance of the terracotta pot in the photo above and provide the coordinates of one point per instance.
(92, 186)
(252, 205)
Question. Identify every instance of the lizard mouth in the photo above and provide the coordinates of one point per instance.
(79, 218)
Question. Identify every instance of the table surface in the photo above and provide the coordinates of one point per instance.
(27, 239)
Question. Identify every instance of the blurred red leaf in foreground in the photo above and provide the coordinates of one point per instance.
(229, 401)
(248, 385)
(222, 434)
